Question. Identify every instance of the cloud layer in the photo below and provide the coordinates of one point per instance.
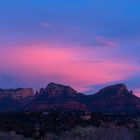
(73, 65)
(85, 44)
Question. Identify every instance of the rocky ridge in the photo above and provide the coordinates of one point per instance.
(115, 98)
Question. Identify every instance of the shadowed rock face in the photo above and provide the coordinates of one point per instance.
(56, 96)
(119, 89)
(64, 106)
(115, 89)
(16, 94)
(13, 99)
(116, 98)
(56, 90)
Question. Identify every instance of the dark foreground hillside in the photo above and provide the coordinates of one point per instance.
(80, 133)
(69, 126)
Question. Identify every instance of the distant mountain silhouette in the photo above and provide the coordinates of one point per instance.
(57, 97)
(114, 98)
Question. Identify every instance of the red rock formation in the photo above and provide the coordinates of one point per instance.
(16, 93)
(115, 98)
(58, 107)
(56, 90)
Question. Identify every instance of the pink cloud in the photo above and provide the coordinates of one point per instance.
(137, 92)
(106, 42)
(75, 66)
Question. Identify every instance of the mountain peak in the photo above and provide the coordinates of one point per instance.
(52, 84)
(54, 89)
(120, 85)
(117, 89)
(114, 98)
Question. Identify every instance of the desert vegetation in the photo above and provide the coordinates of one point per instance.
(68, 126)
(94, 133)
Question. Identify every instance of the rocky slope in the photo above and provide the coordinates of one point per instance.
(16, 94)
(57, 97)
(14, 99)
(116, 98)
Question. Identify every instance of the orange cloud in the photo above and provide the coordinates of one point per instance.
(75, 66)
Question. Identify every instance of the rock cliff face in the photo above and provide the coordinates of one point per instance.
(14, 99)
(65, 106)
(54, 90)
(16, 94)
(118, 89)
(56, 96)
(116, 98)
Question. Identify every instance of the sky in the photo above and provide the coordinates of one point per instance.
(87, 44)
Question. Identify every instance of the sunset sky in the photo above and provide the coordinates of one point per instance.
(87, 44)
